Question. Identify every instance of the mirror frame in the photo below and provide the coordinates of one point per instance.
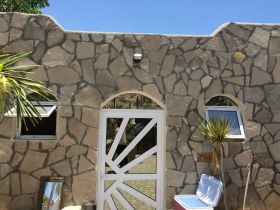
(43, 181)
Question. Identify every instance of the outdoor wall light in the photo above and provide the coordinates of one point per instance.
(137, 57)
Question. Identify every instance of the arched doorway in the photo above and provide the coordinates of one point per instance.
(131, 153)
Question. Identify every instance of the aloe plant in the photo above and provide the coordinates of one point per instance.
(216, 130)
(15, 86)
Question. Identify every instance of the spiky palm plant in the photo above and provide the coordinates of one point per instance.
(15, 85)
(216, 129)
(27, 6)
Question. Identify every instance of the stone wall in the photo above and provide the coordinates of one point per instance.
(85, 69)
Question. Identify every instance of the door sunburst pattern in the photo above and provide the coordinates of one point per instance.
(131, 162)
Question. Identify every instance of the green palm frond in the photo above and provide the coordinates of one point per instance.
(215, 129)
(15, 87)
(27, 6)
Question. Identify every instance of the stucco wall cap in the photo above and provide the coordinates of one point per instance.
(37, 15)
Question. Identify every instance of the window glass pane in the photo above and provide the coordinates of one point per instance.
(231, 116)
(46, 126)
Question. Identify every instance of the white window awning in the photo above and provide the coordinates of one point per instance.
(45, 110)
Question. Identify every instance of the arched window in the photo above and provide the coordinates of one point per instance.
(221, 101)
(226, 108)
(131, 101)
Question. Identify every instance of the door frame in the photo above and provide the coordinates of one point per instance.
(161, 153)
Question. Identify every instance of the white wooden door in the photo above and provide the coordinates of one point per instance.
(131, 150)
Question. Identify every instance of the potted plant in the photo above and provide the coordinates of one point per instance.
(216, 131)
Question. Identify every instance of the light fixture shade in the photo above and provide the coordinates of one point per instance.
(137, 56)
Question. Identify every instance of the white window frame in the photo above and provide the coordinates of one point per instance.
(228, 108)
(47, 114)
(13, 113)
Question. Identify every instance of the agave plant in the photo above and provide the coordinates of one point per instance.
(216, 129)
(15, 85)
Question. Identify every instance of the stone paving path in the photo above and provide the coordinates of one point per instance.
(147, 187)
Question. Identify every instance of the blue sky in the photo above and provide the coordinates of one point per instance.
(199, 17)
